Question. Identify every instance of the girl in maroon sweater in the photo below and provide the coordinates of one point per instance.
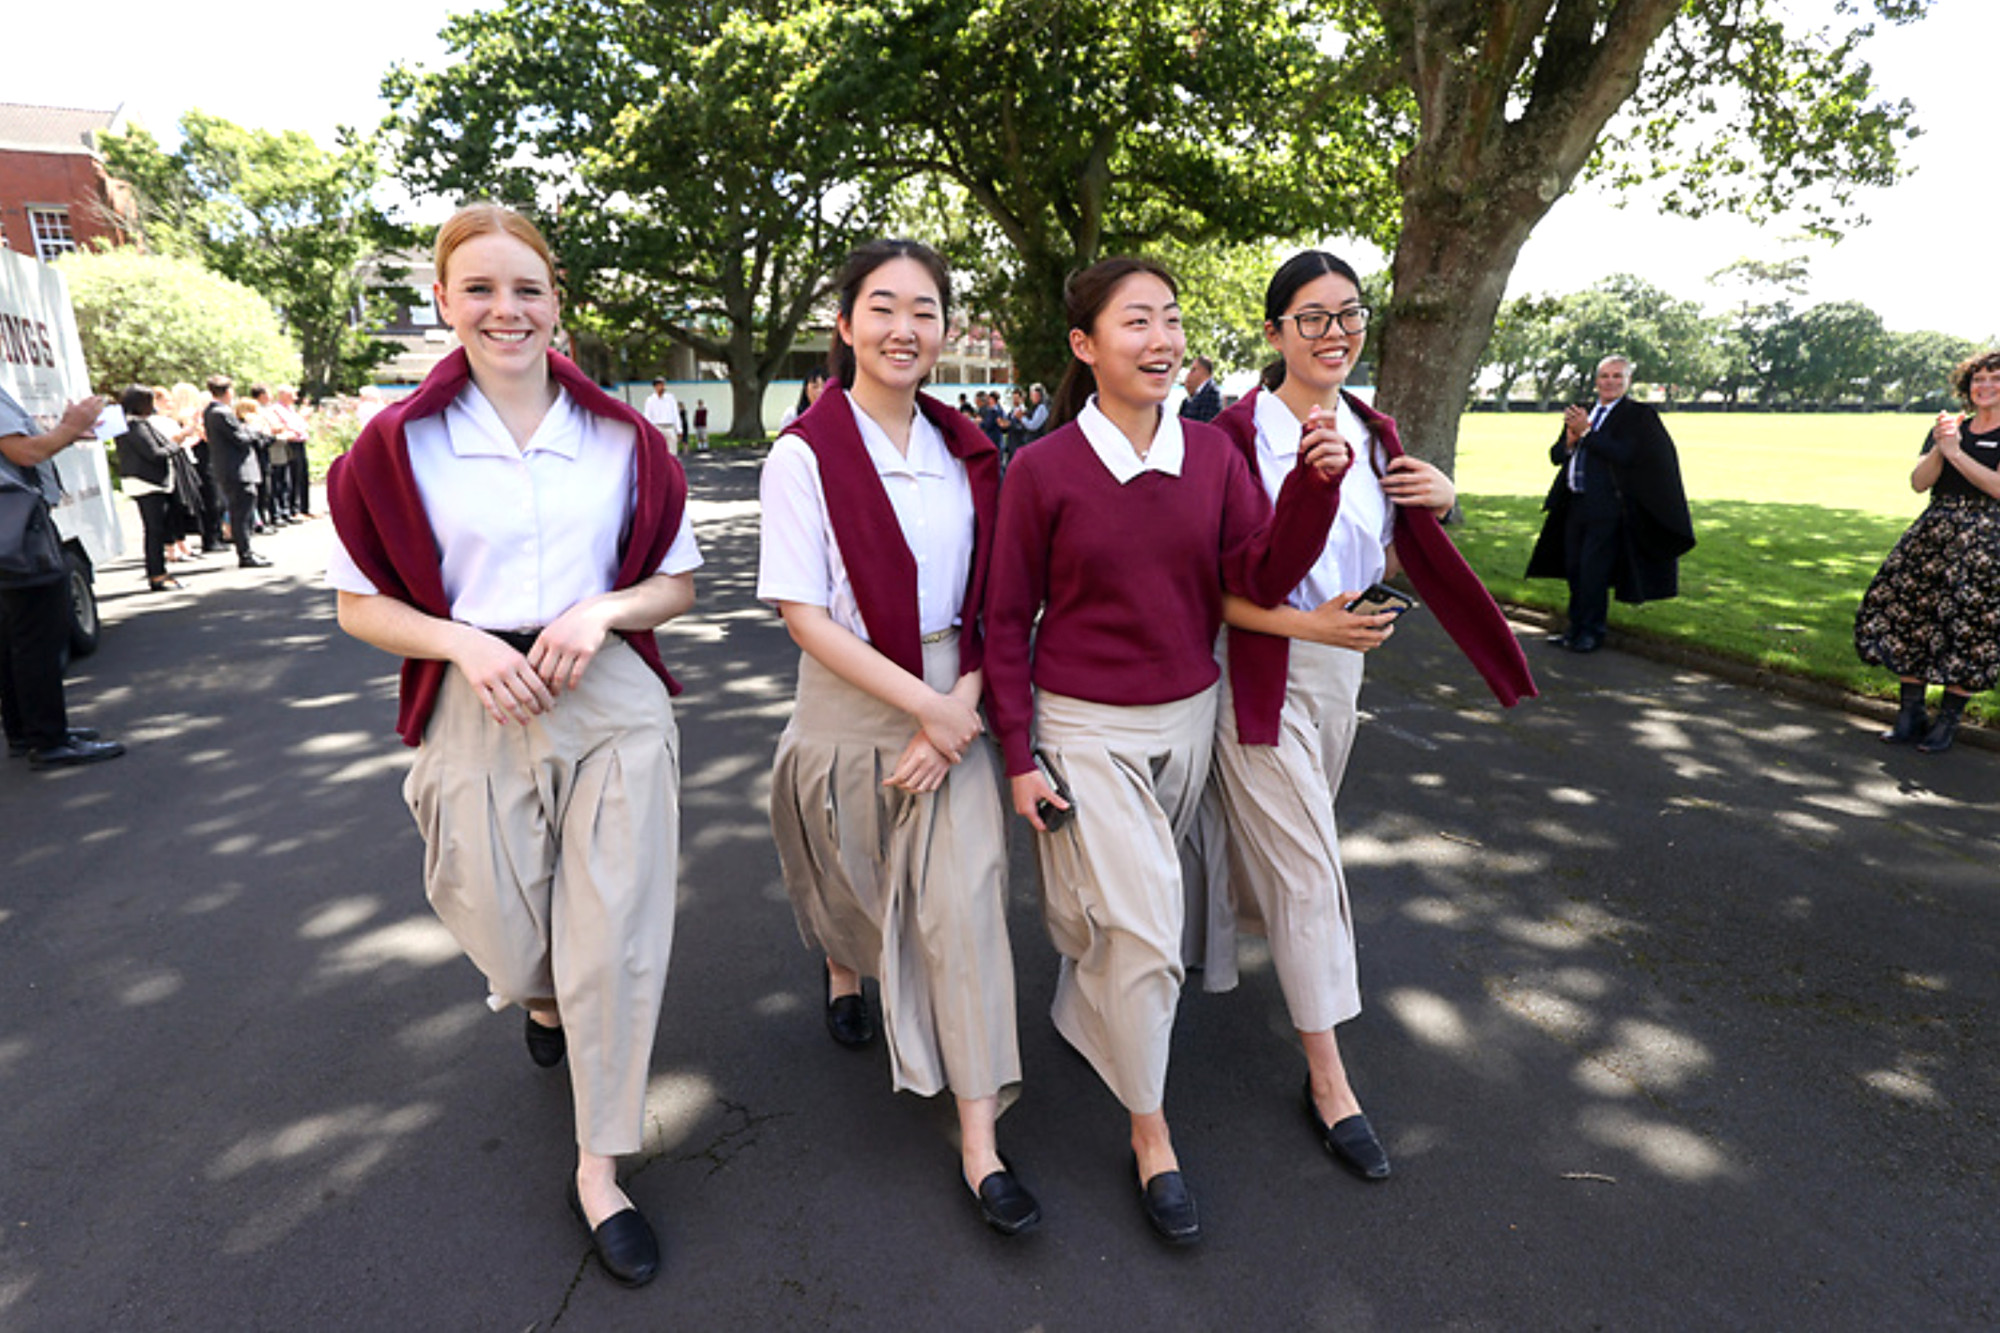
(1118, 534)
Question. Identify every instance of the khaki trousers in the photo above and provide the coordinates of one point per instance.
(1282, 871)
(909, 889)
(552, 855)
(1111, 877)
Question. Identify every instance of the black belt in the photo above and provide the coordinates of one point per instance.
(520, 640)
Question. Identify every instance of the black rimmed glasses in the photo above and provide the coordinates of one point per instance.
(1316, 323)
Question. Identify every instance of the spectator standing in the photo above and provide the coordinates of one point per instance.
(701, 426)
(34, 616)
(1617, 515)
(289, 424)
(664, 411)
(1932, 613)
(233, 458)
(146, 474)
(1204, 397)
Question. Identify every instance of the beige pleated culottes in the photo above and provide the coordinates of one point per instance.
(1283, 877)
(552, 855)
(1111, 877)
(910, 889)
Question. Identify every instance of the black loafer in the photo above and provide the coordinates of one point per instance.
(1005, 1204)
(1585, 643)
(546, 1045)
(1170, 1208)
(848, 1019)
(625, 1245)
(71, 753)
(1351, 1140)
(18, 749)
(253, 561)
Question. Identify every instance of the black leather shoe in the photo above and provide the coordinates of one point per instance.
(1170, 1208)
(75, 752)
(848, 1019)
(19, 749)
(546, 1045)
(624, 1243)
(1585, 643)
(1005, 1204)
(1351, 1141)
(253, 561)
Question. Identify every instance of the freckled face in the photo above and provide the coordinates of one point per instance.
(1136, 345)
(500, 299)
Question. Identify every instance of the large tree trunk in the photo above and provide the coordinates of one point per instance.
(1450, 272)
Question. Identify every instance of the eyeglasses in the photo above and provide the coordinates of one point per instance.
(1316, 323)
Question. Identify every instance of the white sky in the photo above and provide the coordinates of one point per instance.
(1919, 262)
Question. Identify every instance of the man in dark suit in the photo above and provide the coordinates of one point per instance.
(1204, 399)
(1617, 515)
(233, 452)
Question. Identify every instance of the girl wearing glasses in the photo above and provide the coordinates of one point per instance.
(1287, 719)
(879, 505)
(1118, 533)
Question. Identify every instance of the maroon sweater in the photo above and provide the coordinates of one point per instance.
(378, 511)
(1258, 662)
(1128, 580)
(879, 562)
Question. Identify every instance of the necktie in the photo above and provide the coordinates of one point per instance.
(1597, 415)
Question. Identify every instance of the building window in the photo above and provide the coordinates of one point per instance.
(50, 229)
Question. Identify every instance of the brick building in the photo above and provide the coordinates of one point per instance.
(54, 193)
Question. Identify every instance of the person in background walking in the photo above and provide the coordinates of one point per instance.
(1204, 396)
(1932, 613)
(664, 411)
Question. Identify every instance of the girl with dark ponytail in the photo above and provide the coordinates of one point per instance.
(879, 506)
(1118, 533)
(1288, 714)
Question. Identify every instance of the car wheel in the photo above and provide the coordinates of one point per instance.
(83, 625)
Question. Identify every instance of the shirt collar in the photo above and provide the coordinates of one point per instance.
(1118, 455)
(928, 456)
(481, 434)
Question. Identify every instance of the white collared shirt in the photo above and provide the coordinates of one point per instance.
(798, 558)
(663, 411)
(524, 533)
(1116, 452)
(1365, 524)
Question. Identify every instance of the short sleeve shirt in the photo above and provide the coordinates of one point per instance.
(14, 420)
(524, 532)
(799, 560)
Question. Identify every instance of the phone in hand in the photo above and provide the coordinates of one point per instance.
(1381, 597)
(1053, 816)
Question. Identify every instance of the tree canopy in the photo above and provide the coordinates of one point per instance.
(280, 214)
(684, 192)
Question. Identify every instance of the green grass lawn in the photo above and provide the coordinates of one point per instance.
(1793, 514)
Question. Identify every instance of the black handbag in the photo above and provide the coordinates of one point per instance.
(31, 552)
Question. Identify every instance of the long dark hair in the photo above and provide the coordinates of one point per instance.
(1294, 273)
(864, 260)
(814, 376)
(1085, 295)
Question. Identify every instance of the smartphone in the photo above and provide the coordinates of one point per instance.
(1053, 816)
(1382, 597)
